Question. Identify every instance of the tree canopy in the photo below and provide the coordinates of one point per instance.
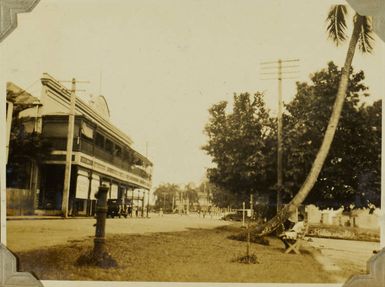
(242, 144)
(169, 194)
(27, 145)
(165, 194)
(351, 173)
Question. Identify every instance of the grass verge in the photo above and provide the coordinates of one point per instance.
(197, 255)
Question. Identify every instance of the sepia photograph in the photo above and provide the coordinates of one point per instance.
(192, 141)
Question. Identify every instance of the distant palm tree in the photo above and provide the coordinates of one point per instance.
(361, 36)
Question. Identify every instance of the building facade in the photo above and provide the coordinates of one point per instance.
(101, 154)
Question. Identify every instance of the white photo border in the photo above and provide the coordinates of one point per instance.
(8, 22)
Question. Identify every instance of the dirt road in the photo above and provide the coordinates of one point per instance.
(30, 234)
(345, 257)
(342, 258)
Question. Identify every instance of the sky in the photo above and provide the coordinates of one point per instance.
(161, 64)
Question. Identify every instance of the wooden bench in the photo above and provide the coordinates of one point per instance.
(295, 246)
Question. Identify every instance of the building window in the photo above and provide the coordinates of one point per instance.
(109, 146)
(99, 140)
(86, 131)
(118, 151)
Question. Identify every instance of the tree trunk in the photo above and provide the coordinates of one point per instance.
(311, 179)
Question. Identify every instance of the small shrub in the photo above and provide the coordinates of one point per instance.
(247, 259)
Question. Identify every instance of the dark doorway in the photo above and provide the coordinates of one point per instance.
(52, 178)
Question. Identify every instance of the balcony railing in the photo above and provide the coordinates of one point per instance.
(61, 144)
(102, 154)
(86, 146)
(139, 172)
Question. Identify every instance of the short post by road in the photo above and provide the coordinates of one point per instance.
(101, 213)
(100, 255)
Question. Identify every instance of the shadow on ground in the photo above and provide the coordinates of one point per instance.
(196, 255)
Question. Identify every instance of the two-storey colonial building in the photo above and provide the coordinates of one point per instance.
(101, 154)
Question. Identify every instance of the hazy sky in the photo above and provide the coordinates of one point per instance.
(165, 62)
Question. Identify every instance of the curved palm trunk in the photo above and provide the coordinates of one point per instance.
(311, 179)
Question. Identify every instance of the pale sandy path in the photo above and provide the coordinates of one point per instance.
(30, 234)
(343, 258)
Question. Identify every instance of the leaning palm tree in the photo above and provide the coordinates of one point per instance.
(361, 36)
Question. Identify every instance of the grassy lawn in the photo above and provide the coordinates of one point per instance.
(197, 255)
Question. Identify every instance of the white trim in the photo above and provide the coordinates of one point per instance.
(119, 174)
(56, 90)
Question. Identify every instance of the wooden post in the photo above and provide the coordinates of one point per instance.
(279, 139)
(275, 69)
(243, 213)
(70, 138)
(251, 207)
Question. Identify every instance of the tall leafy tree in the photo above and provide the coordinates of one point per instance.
(351, 173)
(354, 156)
(26, 150)
(362, 37)
(165, 196)
(240, 147)
(222, 197)
(190, 193)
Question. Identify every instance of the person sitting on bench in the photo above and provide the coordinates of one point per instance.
(290, 236)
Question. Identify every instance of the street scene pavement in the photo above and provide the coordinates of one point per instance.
(344, 257)
(49, 232)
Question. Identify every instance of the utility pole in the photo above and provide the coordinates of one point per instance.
(278, 70)
(70, 139)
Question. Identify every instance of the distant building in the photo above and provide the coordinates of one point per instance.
(101, 154)
(363, 217)
(204, 196)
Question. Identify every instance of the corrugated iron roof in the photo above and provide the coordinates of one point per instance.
(20, 98)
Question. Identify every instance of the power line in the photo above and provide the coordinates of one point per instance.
(280, 71)
(70, 135)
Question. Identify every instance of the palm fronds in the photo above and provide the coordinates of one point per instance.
(337, 23)
(365, 40)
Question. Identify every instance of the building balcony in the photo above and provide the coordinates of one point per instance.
(87, 147)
